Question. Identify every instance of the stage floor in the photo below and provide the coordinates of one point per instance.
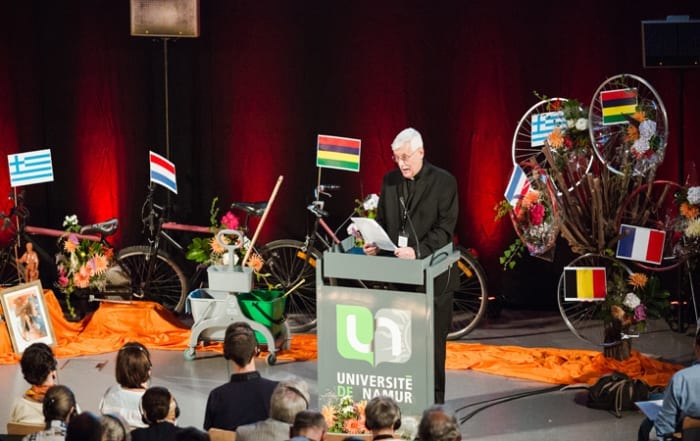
(549, 416)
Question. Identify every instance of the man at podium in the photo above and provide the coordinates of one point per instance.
(418, 208)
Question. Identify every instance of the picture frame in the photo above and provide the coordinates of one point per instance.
(27, 316)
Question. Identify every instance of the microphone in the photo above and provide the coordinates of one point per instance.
(407, 216)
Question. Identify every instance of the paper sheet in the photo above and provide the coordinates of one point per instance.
(650, 408)
(372, 232)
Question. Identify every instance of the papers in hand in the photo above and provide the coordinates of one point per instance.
(650, 408)
(372, 232)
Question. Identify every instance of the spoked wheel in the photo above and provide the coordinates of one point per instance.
(470, 299)
(288, 263)
(9, 276)
(653, 205)
(166, 285)
(536, 216)
(530, 136)
(628, 125)
(585, 317)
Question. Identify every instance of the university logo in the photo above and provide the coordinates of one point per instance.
(382, 338)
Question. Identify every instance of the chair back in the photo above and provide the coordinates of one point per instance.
(24, 428)
(691, 429)
(221, 435)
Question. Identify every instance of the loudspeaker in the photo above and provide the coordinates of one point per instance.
(671, 43)
(165, 18)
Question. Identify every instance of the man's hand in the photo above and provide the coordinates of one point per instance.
(405, 253)
(370, 249)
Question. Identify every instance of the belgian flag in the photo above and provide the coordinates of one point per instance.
(584, 283)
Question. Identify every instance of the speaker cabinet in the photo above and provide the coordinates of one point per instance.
(165, 18)
(669, 43)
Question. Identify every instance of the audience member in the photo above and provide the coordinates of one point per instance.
(39, 370)
(133, 371)
(308, 425)
(438, 425)
(114, 428)
(382, 417)
(84, 427)
(288, 399)
(191, 434)
(681, 399)
(245, 398)
(58, 408)
(160, 412)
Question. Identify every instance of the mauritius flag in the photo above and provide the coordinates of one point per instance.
(338, 152)
(584, 283)
(641, 244)
(617, 104)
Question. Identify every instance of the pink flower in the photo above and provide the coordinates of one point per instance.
(230, 221)
(63, 281)
(640, 313)
(537, 214)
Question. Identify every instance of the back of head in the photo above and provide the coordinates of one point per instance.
(409, 135)
(158, 404)
(37, 363)
(84, 427)
(382, 413)
(133, 365)
(438, 425)
(240, 344)
(58, 404)
(305, 421)
(289, 398)
(114, 428)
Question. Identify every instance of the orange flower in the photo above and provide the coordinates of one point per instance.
(81, 279)
(638, 280)
(216, 246)
(360, 406)
(531, 197)
(632, 133)
(689, 211)
(255, 262)
(100, 264)
(71, 244)
(329, 415)
(639, 116)
(108, 253)
(352, 426)
(556, 138)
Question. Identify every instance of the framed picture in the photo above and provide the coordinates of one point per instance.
(26, 316)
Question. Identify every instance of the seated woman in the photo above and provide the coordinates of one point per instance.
(39, 369)
(133, 371)
(160, 412)
(59, 406)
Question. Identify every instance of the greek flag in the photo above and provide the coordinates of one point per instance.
(543, 124)
(30, 168)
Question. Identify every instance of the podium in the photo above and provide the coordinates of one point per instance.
(374, 341)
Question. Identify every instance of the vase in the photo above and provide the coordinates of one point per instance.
(614, 345)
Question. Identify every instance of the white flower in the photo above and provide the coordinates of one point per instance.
(647, 129)
(371, 202)
(581, 124)
(570, 123)
(693, 228)
(631, 301)
(694, 195)
(70, 221)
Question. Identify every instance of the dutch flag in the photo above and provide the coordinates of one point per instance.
(163, 172)
(517, 186)
(641, 244)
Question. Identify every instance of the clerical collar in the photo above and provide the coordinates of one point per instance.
(245, 376)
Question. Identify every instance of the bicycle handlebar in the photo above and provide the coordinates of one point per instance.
(326, 187)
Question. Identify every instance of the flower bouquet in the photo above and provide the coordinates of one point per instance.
(688, 201)
(345, 416)
(366, 207)
(82, 264)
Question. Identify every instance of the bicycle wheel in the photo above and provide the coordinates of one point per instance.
(9, 276)
(287, 263)
(654, 206)
(585, 318)
(167, 284)
(470, 299)
(628, 125)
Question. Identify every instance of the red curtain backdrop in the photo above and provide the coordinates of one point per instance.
(248, 97)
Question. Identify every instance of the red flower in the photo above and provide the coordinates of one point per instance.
(537, 214)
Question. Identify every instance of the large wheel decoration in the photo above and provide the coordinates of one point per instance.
(628, 125)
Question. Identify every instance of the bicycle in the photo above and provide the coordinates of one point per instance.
(291, 261)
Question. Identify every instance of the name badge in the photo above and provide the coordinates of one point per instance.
(403, 241)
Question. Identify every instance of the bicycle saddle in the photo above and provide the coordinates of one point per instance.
(252, 208)
(104, 229)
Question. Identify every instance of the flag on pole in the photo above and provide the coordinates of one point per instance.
(338, 152)
(30, 167)
(518, 186)
(617, 104)
(163, 172)
(584, 283)
(641, 244)
(543, 124)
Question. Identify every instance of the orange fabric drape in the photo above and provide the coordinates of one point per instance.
(113, 324)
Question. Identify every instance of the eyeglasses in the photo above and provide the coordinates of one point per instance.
(404, 157)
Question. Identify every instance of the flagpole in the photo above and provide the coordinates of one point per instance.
(318, 184)
(17, 242)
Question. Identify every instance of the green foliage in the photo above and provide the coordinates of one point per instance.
(512, 254)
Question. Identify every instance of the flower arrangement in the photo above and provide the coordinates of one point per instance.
(634, 299)
(345, 416)
(366, 207)
(688, 201)
(572, 138)
(82, 263)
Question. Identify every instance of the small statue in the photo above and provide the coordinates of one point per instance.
(30, 260)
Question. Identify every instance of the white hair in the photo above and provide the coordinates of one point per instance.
(409, 135)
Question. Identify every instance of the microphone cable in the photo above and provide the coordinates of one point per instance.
(407, 216)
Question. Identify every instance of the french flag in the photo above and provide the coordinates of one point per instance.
(517, 187)
(641, 244)
(162, 172)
